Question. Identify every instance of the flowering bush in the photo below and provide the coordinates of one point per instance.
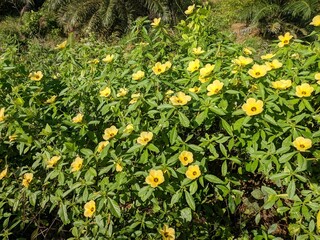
(185, 135)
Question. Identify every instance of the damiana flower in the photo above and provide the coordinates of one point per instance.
(3, 173)
(110, 132)
(119, 168)
(203, 79)
(186, 157)
(61, 45)
(156, 22)
(78, 118)
(197, 51)
(304, 90)
(122, 92)
(138, 75)
(206, 70)
(194, 89)
(27, 178)
(159, 68)
(180, 99)
(258, 71)
(167, 233)
(169, 92)
(267, 56)
(108, 58)
(53, 161)
(52, 99)
(252, 107)
(36, 76)
(284, 40)
(167, 65)
(155, 178)
(247, 51)
(316, 21)
(2, 116)
(316, 77)
(129, 128)
(144, 138)
(102, 145)
(76, 165)
(13, 137)
(302, 144)
(193, 65)
(190, 9)
(275, 64)
(89, 208)
(105, 92)
(94, 61)
(134, 98)
(242, 61)
(193, 172)
(214, 88)
(281, 84)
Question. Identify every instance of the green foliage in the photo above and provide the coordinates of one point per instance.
(252, 182)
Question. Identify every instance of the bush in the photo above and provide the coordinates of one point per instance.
(157, 135)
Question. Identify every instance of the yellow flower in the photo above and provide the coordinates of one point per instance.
(203, 79)
(193, 65)
(119, 168)
(3, 173)
(144, 138)
(108, 58)
(258, 71)
(242, 61)
(284, 40)
(275, 64)
(155, 178)
(51, 100)
(76, 165)
(156, 22)
(247, 51)
(110, 132)
(186, 157)
(36, 76)
(194, 89)
(316, 21)
(105, 92)
(159, 68)
(138, 75)
(129, 128)
(267, 56)
(167, 233)
(180, 99)
(302, 144)
(12, 137)
(193, 172)
(134, 98)
(281, 84)
(197, 51)
(61, 45)
(304, 90)
(94, 61)
(206, 70)
(190, 9)
(214, 88)
(317, 77)
(2, 116)
(89, 208)
(53, 161)
(122, 92)
(102, 145)
(252, 107)
(167, 65)
(78, 118)
(27, 178)
(169, 92)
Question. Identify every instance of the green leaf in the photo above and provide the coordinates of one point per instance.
(286, 157)
(176, 197)
(184, 120)
(153, 148)
(227, 127)
(257, 194)
(291, 190)
(190, 200)
(186, 214)
(217, 111)
(63, 214)
(173, 135)
(270, 119)
(86, 151)
(213, 179)
(195, 147)
(201, 117)
(193, 187)
(114, 208)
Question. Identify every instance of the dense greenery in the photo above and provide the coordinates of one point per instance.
(180, 133)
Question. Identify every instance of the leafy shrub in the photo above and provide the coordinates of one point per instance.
(181, 133)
